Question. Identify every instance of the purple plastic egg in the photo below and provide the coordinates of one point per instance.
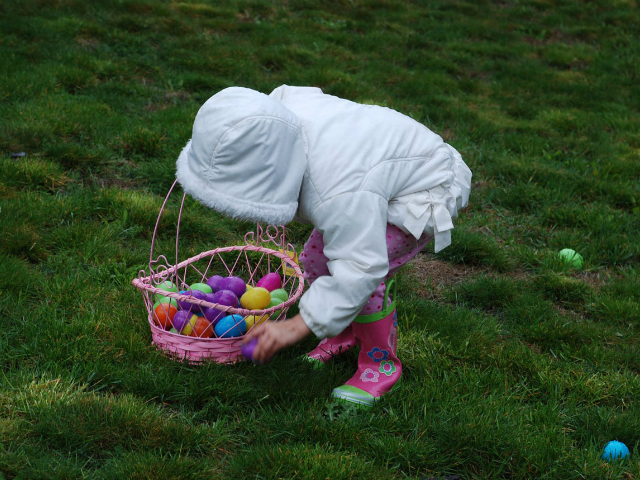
(216, 282)
(221, 297)
(213, 315)
(248, 348)
(180, 319)
(235, 284)
(196, 295)
(271, 281)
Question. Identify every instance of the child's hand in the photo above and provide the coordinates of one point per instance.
(274, 336)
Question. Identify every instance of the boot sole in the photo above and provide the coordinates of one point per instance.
(357, 396)
(314, 362)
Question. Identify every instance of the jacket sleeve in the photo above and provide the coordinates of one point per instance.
(353, 226)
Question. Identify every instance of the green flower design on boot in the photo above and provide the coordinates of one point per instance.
(387, 367)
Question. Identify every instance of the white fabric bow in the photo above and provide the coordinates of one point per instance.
(423, 208)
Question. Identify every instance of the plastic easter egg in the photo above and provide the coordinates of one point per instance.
(211, 314)
(181, 319)
(167, 286)
(225, 297)
(274, 302)
(256, 299)
(235, 284)
(252, 320)
(186, 330)
(248, 348)
(173, 330)
(231, 326)
(615, 450)
(571, 257)
(200, 328)
(215, 282)
(271, 281)
(166, 300)
(163, 314)
(203, 287)
(280, 293)
(196, 295)
(221, 297)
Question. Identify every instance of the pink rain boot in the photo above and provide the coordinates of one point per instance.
(378, 366)
(331, 347)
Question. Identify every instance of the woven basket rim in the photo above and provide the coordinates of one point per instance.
(145, 283)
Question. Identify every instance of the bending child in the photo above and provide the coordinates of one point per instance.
(376, 185)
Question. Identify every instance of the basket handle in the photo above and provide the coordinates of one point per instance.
(155, 230)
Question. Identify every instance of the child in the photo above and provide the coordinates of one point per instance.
(377, 186)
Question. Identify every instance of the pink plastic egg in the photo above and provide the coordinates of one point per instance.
(271, 282)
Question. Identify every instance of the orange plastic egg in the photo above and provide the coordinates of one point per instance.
(164, 313)
(198, 327)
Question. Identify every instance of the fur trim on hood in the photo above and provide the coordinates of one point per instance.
(246, 157)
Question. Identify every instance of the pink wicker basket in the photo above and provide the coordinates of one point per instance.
(251, 261)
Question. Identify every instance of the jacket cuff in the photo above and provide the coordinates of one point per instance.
(320, 330)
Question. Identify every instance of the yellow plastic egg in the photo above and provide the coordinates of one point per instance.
(257, 298)
(252, 320)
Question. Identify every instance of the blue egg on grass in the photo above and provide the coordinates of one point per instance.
(615, 450)
(231, 326)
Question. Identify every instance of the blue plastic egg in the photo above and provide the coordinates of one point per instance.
(615, 450)
(231, 326)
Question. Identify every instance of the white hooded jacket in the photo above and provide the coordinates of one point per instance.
(347, 168)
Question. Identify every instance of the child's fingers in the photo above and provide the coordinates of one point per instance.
(267, 344)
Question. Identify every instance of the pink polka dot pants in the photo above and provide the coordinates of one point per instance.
(401, 248)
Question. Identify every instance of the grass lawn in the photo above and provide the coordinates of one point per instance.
(517, 366)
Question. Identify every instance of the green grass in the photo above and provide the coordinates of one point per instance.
(516, 366)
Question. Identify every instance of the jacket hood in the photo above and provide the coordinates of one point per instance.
(246, 157)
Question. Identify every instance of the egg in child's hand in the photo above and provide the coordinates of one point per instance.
(257, 298)
(231, 326)
(247, 349)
